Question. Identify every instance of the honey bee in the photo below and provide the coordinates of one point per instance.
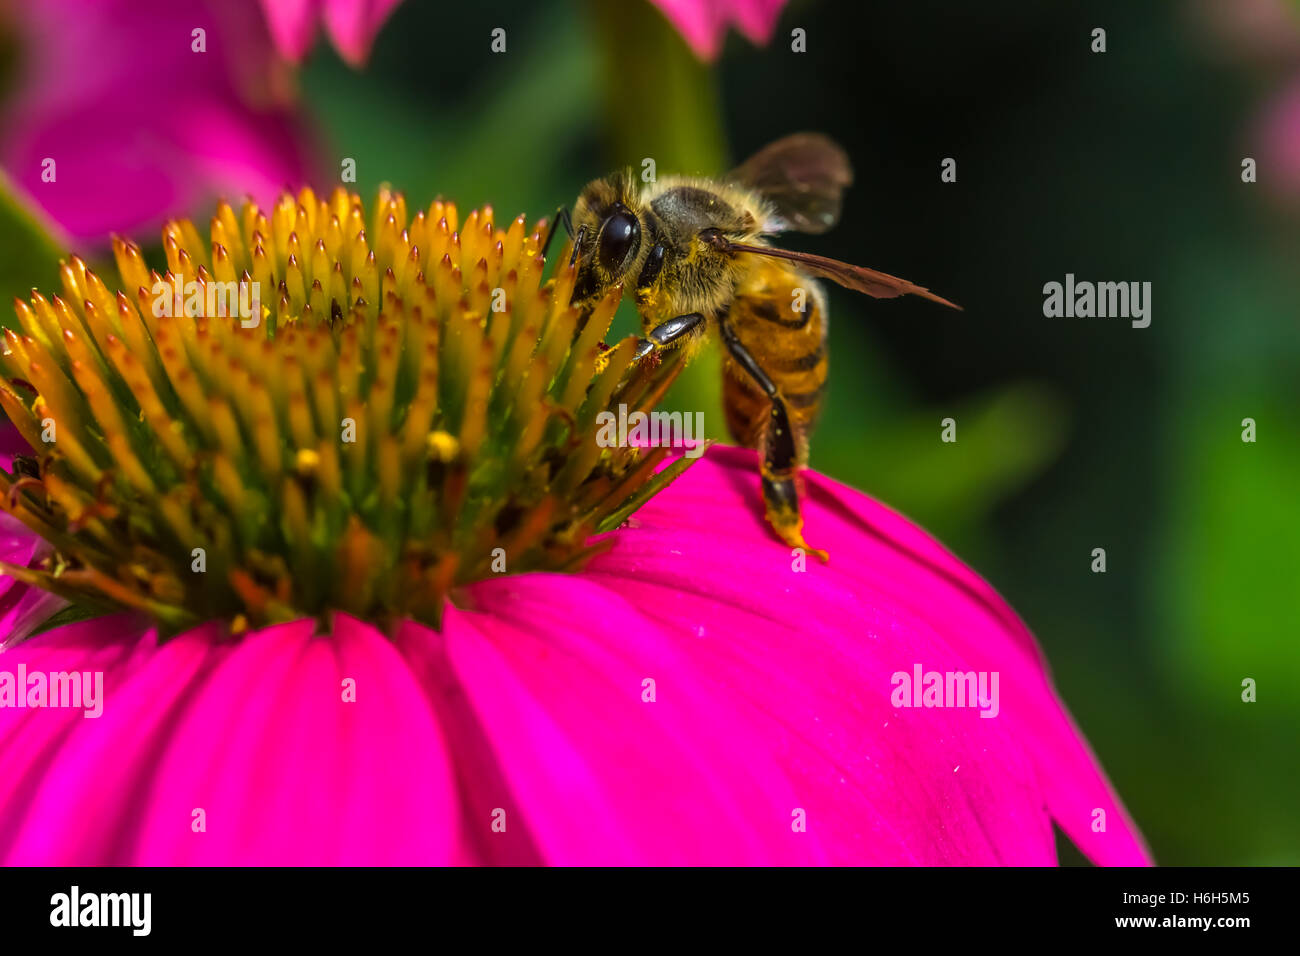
(695, 255)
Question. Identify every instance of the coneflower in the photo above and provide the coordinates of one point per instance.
(356, 524)
(405, 409)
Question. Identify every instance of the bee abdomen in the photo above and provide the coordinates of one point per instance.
(766, 310)
(786, 364)
(806, 400)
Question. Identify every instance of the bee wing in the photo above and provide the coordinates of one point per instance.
(881, 285)
(803, 176)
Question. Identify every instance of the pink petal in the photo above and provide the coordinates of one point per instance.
(125, 161)
(700, 23)
(352, 25)
(703, 23)
(32, 741)
(11, 443)
(551, 675)
(891, 597)
(22, 608)
(1277, 134)
(882, 786)
(757, 18)
(17, 545)
(292, 24)
(772, 705)
(257, 736)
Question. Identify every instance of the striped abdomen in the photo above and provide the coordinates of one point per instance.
(789, 345)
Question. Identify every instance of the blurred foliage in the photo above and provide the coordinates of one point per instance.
(28, 253)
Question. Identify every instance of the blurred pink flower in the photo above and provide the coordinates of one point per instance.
(1263, 35)
(21, 608)
(351, 25)
(531, 710)
(1277, 134)
(139, 125)
(1262, 31)
(703, 23)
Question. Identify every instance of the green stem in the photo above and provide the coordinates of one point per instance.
(662, 103)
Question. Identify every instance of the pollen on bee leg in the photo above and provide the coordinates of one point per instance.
(789, 526)
(794, 538)
(781, 493)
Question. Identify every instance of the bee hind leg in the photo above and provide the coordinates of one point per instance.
(780, 466)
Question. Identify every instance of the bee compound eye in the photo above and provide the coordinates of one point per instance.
(619, 237)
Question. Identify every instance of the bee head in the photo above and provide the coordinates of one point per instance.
(608, 230)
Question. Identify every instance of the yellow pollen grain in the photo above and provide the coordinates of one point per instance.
(443, 446)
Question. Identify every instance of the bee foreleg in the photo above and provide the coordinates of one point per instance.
(669, 334)
(780, 466)
(561, 218)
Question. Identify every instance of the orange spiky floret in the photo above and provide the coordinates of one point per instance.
(315, 413)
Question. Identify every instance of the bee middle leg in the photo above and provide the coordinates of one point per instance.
(780, 466)
(673, 333)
